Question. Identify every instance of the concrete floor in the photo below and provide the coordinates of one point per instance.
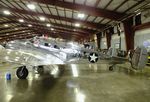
(76, 83)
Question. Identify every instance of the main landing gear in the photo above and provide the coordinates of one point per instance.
(111, 68)
(22, 72)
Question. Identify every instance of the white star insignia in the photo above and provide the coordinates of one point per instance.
(93, 57)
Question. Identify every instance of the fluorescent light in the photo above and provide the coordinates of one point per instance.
(29, 25)
(52, 29)
(81, 15)
(6, 25)
(137, 10)
(31, 6)
(77, 25)
(21, 20)
(6, 12)
(138, 13)
(42, 18)
(48, 25)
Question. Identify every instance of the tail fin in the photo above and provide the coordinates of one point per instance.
(139, 58)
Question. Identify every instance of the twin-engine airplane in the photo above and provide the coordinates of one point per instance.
(26, 54)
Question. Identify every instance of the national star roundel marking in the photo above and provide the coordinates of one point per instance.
(93, 57)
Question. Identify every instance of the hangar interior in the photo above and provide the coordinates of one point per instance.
(74, 50)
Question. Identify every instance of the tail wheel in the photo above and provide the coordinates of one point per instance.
(22, 72)
(111, 68)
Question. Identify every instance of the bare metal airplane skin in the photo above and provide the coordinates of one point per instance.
(27, 54)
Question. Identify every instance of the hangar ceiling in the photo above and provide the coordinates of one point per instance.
(67, 19)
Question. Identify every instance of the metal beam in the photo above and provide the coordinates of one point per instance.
(81, 30)
(86, 9)
(138, 3)
(46, 30)
(61, 33)
(142, 26)
(108, 38)
(15, 38)
(10, 27)
(32, 13)
(17, 34)
(5, 22)
(129, 33)
(56, 28)
(41, 29)
(99, 37)
(14, 31)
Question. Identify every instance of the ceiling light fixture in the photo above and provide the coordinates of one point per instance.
(42, 18)
(6, 12)
(81, 15)
(77, 25)
(48, 25)
(29, 25)
(6, 25)
(16, 28)
(138, 13)
(52, 29)
(31, 6)
(21, 20)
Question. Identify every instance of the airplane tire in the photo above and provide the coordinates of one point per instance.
(111, 68)
(22, 72)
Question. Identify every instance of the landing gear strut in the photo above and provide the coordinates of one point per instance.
(22, 72)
